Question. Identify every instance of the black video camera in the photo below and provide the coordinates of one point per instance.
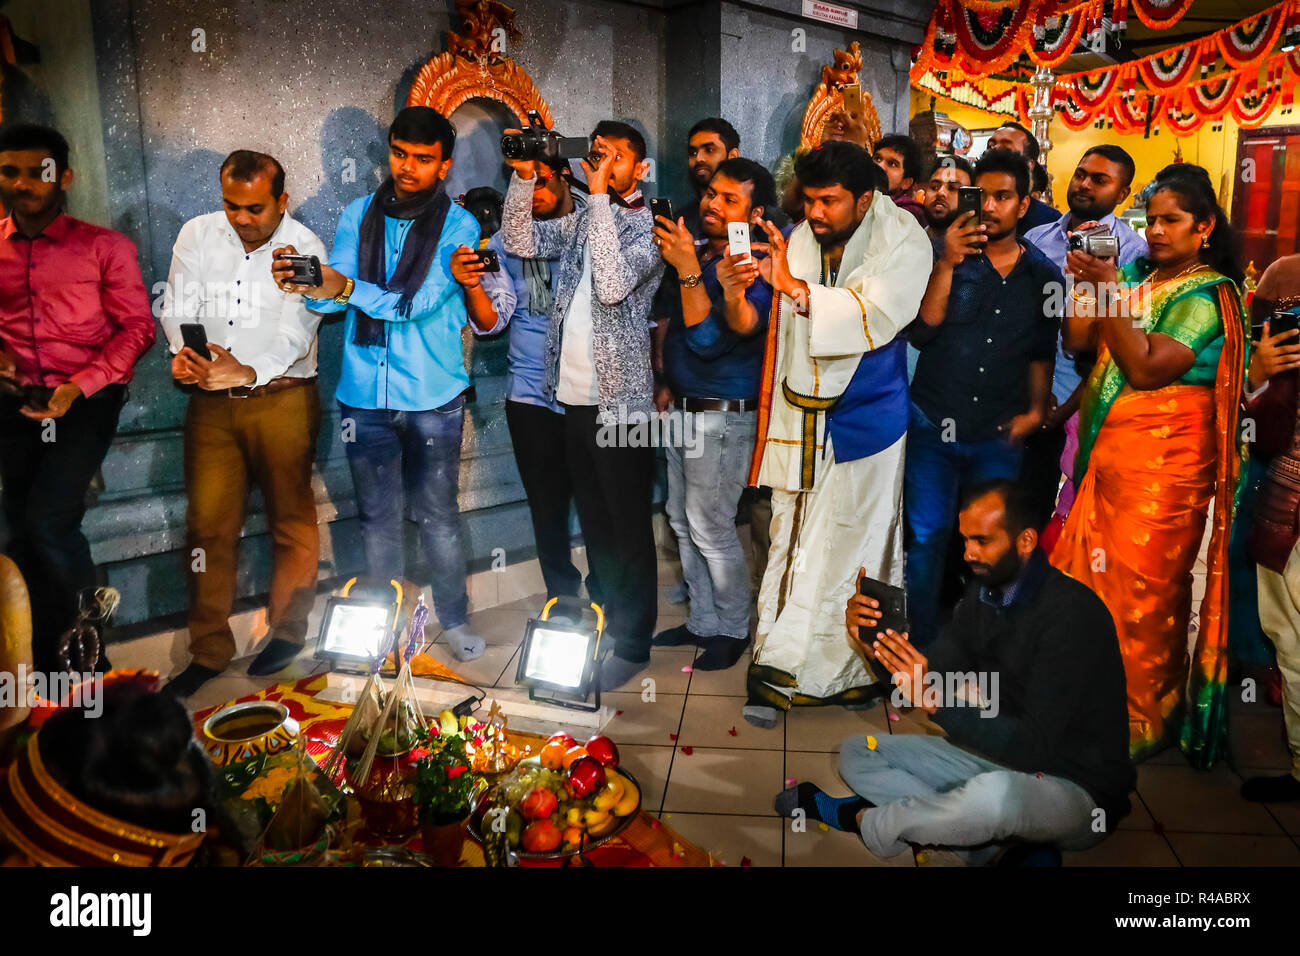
(537, 143)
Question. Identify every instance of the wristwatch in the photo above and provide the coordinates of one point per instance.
(342, 297)
(690, 281)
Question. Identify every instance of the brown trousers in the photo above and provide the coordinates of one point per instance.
(270, 440)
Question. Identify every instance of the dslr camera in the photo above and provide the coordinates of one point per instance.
(537, 143)
(1098, 241)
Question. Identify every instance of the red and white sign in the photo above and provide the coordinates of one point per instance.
(830, 13)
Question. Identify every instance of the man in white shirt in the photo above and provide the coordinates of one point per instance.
(253, 415)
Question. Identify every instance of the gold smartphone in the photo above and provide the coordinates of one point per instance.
(852, 94)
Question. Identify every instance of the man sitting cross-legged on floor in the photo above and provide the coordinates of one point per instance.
(1037, 745)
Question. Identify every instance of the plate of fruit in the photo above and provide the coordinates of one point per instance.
(566, 799)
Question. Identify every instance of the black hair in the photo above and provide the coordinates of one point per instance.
(1032, 149)
(717, 125)
(1019, 508)
(762, 189)
(954, 162)
(840, 163)
(1005, 161)
(1193, 186)
(906, 147)
(426, 126)
(486, 205)
(614, 129)
(1038, 179)
(245, 165)
(22, 136)
(137, 761)
(1117, 155)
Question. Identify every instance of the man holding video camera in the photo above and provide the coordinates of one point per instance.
(253, 415)
(713, 360)
(403, 258)
(598, 367)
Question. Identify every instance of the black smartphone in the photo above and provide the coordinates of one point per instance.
(306, 270)
(491, 263)
(1283, 322)
(969, 199)
(195, 337)
(659, 206)
(893, 605)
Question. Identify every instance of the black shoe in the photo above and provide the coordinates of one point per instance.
(720, 653)
(190, 680)
(1283, 789)
(276, 656)
(675, 637)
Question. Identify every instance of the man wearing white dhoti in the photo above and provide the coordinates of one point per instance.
(832, 425)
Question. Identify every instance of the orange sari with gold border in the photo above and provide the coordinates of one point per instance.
(1150, 463)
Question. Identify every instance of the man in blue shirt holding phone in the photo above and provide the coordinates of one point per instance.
(402, 266)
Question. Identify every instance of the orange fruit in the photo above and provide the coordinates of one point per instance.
(541, 836)
(552, 755)
(573, 836)
(572, 754)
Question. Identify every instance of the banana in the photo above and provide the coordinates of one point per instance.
(602, 828)
(610, 795)
(631, 797)
(594, 819)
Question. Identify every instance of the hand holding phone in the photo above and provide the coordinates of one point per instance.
(738, 239)
(489, 260)
(659, 206)
(306, 269)
(195, 338)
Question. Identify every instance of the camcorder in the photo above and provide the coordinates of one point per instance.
(536, 143)
(1098, 241)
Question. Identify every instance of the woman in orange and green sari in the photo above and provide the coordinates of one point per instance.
(1158, 442)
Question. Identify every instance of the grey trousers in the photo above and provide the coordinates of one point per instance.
(929, 792)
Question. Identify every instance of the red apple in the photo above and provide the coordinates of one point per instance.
(538, 803)
(566, 739)
(586, 776)
(603, 749)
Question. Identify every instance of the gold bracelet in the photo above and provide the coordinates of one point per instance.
(342, 297)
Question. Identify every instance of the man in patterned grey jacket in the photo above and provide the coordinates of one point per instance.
(598, 368)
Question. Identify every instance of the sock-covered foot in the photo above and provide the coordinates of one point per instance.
(675, 637)
(190, 680)
(720, 653)
(276, 656)
(760, 715)
(464, 644)
(615, 672)
(1283, 789)
(838, 812)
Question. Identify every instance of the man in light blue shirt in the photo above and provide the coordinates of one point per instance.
(1101, 182)
(402, 269)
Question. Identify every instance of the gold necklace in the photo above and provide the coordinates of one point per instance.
(1190, 270)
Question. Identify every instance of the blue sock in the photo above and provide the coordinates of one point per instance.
(839, 812)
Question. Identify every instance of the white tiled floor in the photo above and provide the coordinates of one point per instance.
(716, 787)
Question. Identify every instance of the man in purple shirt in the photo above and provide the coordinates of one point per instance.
(74, 320)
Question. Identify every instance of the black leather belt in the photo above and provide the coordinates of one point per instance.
(717, 404)
(270, 388)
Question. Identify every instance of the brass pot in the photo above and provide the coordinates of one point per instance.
(242, 731)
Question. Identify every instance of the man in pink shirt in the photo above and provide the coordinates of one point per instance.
(74, 320)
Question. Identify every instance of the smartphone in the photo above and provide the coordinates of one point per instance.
(1282, 322)
(489, 259)
(852, 98)
(196, 337)
(306, 270)
(969, 199)
(738, 238)
(659, 206)
(893, 605)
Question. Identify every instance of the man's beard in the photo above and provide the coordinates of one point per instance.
(941, 223)
(832, 239)
(1085, 211)
(996, 575)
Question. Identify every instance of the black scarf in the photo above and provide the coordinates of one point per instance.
(429, 210)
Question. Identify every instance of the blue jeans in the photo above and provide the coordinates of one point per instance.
(705, 482)
(935, 473)
(418, 452)
(930, 792)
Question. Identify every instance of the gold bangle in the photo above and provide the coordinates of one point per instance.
(342, 297)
